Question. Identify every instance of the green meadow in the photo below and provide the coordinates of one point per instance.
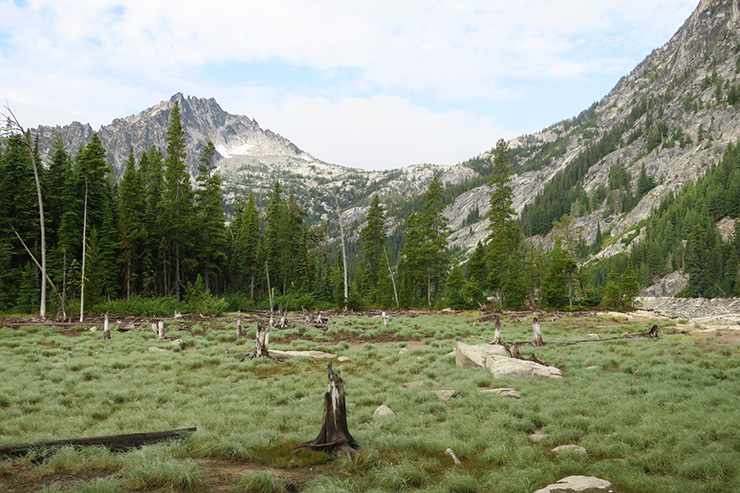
(654, 415)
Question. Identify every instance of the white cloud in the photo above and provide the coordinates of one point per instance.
(380, 132)
(396, 62)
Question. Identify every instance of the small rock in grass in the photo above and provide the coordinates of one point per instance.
(577, 484)
(592, 367)
(413, 385)
(594, 337)
(446, 395)
(403, 350)
(157, 349)
(506, 392)
(539, 436)
(93, 329)
(343, 359)
(178, 343)
(569, 448)
(383, 410)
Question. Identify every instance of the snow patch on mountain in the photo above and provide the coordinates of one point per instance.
(231, 151)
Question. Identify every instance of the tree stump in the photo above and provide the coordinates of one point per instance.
(334, 437)
(106, 329)
(497, 334)
(261, 342)
(537, 334)
(239, 333)
(160, 330)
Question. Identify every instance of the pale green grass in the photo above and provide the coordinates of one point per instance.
(654, 415)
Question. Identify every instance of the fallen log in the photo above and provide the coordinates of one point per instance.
(113, 442)
(653, 333)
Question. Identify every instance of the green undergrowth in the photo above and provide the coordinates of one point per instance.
(654, 415)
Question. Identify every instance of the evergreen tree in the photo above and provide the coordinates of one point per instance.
(211, 218)
(248, 237)
(424, 256)
(373, 237)
(557, 279)
(132, 209)
(504, 234)
(177, 200)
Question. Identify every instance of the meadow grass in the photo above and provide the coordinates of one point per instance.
(654, 415)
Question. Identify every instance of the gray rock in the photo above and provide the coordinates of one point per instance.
(471, 356)
(414, 385)
(178, 343)
(298, 354)
(157, 349)
(517, 368)
(382, 411)
(446, 395)
(569, 448)
(504, 391)
(578, 484)
(343, 359)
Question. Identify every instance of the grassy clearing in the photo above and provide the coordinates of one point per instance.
(653, 415)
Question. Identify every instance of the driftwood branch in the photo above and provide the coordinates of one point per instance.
(114, 442)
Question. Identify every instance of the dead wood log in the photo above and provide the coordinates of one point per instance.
(114, 442)
(653, 333)
(334, 437)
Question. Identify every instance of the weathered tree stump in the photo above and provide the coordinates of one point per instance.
(334, 437)
(239, 333)
(497, 334)
(261, 342)
(160, 330)
(537, 333)
(106, 329)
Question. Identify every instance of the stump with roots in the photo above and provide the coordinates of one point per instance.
(497, 334)
(334, 437)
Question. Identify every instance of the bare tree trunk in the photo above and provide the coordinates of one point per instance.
(429, 288)
(393, 279)
(270, 294)
(160, 330)
(15, 124)
(344, 254)
(497, 334)
(334, 437)
(82, 281)
(384, 316)
(537, 334)
(62, 305)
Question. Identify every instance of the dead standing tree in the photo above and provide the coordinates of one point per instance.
(334, 437)
(497, 334)
(537, 333)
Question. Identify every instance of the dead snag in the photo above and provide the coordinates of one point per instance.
(106, 329)
(160, 330)
(537, 334)
(497, 334)
(262, 340)
(334, 437)
(239, 333)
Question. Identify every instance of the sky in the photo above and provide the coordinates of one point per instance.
(370, 84)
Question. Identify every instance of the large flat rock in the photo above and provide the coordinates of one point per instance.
(518, 368)
(472, 356)
(578, 484)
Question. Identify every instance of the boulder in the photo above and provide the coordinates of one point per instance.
(519, 368)
(178, 343)
(383, 410)
(569, 448)
(538, 436)
(506, 392)
(343, 359)
(471, 356)
(155, 349)
(578, 484)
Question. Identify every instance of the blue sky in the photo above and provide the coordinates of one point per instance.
(374, 85)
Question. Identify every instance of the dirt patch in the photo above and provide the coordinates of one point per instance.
(224, 475)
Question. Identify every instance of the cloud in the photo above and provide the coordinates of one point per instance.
(378, 133)
(436, 65)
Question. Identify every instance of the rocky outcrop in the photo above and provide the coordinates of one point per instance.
(716, 311)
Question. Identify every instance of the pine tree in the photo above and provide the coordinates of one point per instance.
(629, 286)
(211, 218)
(132, 207)
(424, 256)
(177, 199)
(248, 237)
(556, 281)
(504, 233)
(373, 237)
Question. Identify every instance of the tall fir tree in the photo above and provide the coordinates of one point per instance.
(177, 202)
(373, 237)
(132, 209)
(209, 204)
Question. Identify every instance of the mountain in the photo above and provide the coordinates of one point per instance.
(672, 116)
(660, 128)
